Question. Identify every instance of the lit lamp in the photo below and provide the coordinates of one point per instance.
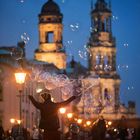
(62, 110)
(12, 121)
(19, 121)
(109, 123)
(70, 115)
(88, 123)
(20, 79)
(79, 121)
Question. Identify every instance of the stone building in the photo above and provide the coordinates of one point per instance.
(50, 36)
(105, 95)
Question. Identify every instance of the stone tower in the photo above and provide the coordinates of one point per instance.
(102, 60)
(50, 36)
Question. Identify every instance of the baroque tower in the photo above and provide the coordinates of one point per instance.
(102, 60)
(50, 36)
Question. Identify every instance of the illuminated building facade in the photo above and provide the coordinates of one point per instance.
(50, 36)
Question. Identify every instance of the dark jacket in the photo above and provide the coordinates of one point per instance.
(49, 113)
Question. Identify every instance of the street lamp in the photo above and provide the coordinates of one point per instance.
(70, 115)
(20, 79)
(109, 123)
(79, 121)
(62, 110)
(88, 123)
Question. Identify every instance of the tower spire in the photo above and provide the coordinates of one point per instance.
(50, 36)
(110, 4)
(91, 5)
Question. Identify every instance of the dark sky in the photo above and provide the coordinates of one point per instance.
(20, 18)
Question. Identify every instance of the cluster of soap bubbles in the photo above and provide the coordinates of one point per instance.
(130, 87)
(68, 46)
(25, 38)
(22, 1)
(115, 17)
(123, 67)
(63, 1)
(74, 27)
(23, 21)
(107, 68)
(85, 53)
(93, 29)
(125, 44)
(53, 81)
(91, 104)
(68, 43)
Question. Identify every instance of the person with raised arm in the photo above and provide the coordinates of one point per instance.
(49, 121)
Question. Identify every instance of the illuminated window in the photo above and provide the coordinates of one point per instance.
(106, 94)
(105, 60)
(49, 37)
(98, 59)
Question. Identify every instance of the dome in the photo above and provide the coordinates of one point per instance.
(101, 6)
(50, 8)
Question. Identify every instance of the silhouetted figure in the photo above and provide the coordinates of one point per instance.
(122, 128)
(100, 129)
(49, 114)
(35, 133)
(17, 132)
(1, 133)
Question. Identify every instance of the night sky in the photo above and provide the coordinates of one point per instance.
(19, 18)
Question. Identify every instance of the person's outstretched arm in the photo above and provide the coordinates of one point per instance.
(64, 103)
(34, 102)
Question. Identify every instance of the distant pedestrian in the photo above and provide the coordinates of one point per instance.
(18, 132)
(8, 135)
(1, 132)
(35, 133)
(101, 129)
(49, 114)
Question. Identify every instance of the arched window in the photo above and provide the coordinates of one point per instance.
(98, 59)
(106, 94)
(49, 37)
(105, 60)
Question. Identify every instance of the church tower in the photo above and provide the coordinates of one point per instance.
(50, 36)
(102, 60)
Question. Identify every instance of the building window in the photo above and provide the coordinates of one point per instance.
(106, 94)
(49, 37)
(98, 59)
(105, 60)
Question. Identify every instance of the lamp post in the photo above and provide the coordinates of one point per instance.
(20, 79)
(62, 112)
